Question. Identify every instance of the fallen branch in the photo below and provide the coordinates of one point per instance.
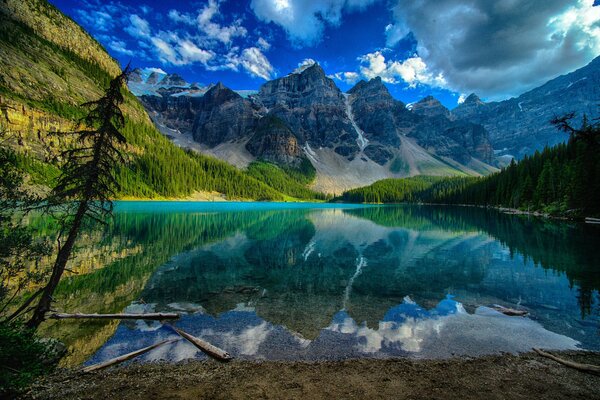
(125, 357)
(152, 316)
(572, 364)
(511, 312)
(207, 348)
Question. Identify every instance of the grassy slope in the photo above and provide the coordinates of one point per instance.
(291, 182)
(48, 67)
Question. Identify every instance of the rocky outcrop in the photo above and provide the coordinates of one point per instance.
(313, 107)
(430, 107)
(441, 132)
(223, 115)
(274, 141)
(378, 114)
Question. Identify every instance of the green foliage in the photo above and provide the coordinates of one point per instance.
(284, 181)
(23, 358)
(390, 190)
(556, 180)
(165, 170)
(305, 173)
(19, 251)
(39, 172)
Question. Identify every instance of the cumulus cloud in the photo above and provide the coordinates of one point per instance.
(256, 64)
(500, 48)
(215, 31)
(302, 65)
(412, 71)
(305, 20)
(184, 38)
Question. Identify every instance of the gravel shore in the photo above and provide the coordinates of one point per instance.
(525, 376)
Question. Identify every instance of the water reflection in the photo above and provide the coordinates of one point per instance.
(312, 283)
(406, 330)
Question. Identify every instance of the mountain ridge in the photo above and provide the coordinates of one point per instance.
(350, 138)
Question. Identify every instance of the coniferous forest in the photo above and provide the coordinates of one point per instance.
(562, 180)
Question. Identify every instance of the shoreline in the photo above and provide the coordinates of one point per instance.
(495, 376)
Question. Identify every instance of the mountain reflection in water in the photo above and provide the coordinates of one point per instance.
(331, 283)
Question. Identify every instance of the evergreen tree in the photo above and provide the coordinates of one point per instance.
(87, 182)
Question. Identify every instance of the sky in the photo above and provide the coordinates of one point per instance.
(445, 48)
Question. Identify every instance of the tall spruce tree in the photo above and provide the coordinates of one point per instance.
(87, 182)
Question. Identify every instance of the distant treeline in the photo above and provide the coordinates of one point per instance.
(564, 179)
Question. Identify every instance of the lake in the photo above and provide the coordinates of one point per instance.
(301, 281)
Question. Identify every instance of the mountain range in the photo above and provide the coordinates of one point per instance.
(363, 135)
(301, 122)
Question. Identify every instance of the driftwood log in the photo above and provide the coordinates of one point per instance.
(511, 312)
(125, 357)
(572, 364)
(149, 316)
(207, 348)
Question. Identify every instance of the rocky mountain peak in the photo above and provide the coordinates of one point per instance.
(174, 80)
(373, 86)
(472, 99)
(220, 93)
(430, 107)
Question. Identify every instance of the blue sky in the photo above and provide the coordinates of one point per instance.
(446, 48)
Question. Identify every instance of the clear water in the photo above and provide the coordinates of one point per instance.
(306, 281)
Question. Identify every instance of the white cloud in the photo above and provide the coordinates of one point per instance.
(178, 17)
(302, 65)
(120, 47)
(173, 50)
(192, 53)
(412, 71)
(304, 20)
(461, 98)
(348, 77)
(215, 31)
(98, 19)
(501, 48)
(394, 33)
(263, 44)
(166, 52)
(256, 64)
(139, 28)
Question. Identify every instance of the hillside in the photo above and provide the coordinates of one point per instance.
(48, 67)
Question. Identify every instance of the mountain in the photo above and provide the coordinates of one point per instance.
(520, 126)
(349, 139)
(49, 66)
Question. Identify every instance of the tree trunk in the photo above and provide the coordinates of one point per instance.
(43, 306)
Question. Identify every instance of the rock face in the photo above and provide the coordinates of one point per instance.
(520, 126)
(223, 115)
(274, 141)
(314, 109)
(303, 115)
(448, 136)
(378, 114)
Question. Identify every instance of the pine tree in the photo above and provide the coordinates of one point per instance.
(87, 182)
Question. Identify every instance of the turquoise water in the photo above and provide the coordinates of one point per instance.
(297, 281)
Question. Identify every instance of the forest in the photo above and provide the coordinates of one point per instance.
(562, 180)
